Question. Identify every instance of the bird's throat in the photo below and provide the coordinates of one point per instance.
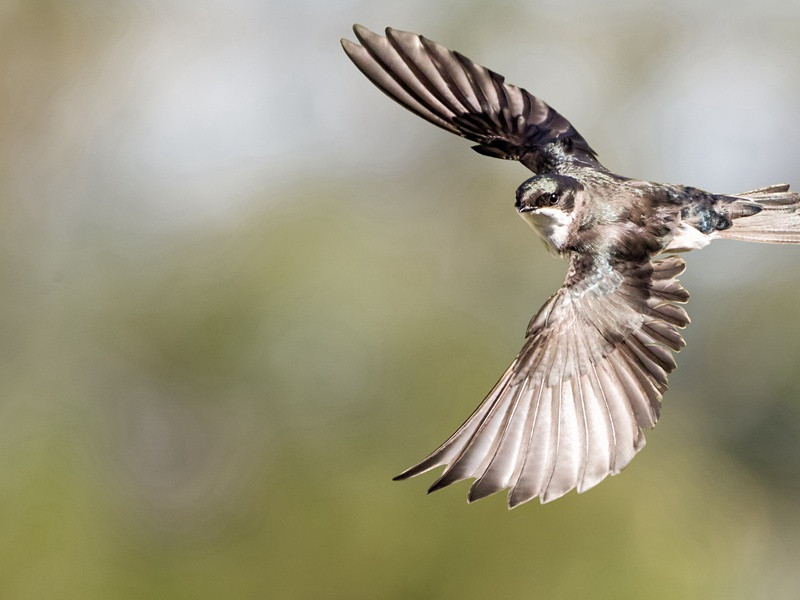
(552, 224)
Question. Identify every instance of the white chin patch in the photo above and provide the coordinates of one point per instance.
(688, 238)
(552, 224)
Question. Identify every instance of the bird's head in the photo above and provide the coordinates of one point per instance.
(546, 203)
(547, 191)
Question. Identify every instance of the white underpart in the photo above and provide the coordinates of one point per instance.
(552, 224)
(688, 238)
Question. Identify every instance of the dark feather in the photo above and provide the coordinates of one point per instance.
(456, 94)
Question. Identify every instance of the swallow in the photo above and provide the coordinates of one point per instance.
(572, 407)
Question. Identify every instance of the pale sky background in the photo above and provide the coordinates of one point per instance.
(242, 289)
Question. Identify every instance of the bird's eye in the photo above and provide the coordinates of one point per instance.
(547, 200)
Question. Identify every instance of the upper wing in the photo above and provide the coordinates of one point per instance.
(451, 91)
(570, 409)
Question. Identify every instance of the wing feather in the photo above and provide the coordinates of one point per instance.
(455, 93)
(570, 409)
(500, 469)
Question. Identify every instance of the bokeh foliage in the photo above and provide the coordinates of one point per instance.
(241, 292)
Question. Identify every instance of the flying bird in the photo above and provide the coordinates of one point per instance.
(572, 407)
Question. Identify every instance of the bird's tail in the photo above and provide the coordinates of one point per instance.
(777, 221)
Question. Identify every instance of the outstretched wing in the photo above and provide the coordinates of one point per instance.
(451, 91)
(570, 409)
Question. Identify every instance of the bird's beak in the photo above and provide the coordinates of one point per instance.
(524, 209)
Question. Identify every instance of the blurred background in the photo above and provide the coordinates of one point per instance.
(241, 290)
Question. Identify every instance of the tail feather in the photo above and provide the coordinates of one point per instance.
(777, 221)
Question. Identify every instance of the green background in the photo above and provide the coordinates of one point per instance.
(241, 290)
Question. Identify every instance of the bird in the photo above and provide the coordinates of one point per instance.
(572, 407)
